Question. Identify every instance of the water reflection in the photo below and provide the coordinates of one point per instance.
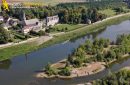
(5, 65)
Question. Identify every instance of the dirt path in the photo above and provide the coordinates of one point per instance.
(37, 40)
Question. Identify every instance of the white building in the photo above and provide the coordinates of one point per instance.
(32, 24)
(51, 21)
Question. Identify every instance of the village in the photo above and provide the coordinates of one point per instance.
(35, 24)
(25, 30)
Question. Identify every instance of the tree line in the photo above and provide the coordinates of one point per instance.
(93, 51)
(73, 13)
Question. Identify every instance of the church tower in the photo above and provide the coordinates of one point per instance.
(24, 16)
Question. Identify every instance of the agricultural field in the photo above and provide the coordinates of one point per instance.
(46, 2)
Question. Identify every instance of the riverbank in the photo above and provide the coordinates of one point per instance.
(87, 29)
(89, 69)
(39, 40)
(89, 58)
(10, 52)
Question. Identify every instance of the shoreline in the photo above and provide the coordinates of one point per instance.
(66, 36)
(87, 29)
(90, 69)
(86, 69)
(44, 38)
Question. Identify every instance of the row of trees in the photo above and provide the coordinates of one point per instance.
(102, 4)
(66, 15)
(73, 13)
(96, 50)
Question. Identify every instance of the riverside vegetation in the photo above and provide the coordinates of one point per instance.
(71, 15)
(100, 50)
(120, 78)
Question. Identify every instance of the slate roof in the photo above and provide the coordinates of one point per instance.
(31, 21)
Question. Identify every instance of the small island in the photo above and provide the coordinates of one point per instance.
(89, 58)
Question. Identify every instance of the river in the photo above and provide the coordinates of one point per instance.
(21, 69)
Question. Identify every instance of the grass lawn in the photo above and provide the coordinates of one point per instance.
(108, 12)
(66, 27)
(10, 52)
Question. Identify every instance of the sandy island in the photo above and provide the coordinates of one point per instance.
(89, 69)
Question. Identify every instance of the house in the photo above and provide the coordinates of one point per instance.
(13, 22)
(52, 20)
(9, 22)
(31, 24)
(37, 25)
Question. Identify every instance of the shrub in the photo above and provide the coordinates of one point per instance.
(65, 71)
(41, 33)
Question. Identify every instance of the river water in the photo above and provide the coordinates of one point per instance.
(21, 69)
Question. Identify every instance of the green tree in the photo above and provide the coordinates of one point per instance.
(50, 70)
(4, 36)
(65, 71)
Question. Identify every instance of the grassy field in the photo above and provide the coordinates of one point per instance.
(10, 52)
(66, 27)
(46, 2)
(108, 12)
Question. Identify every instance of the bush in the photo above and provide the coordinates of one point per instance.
(41, 33)
(50, 70)
(65, 71)
(4, 36)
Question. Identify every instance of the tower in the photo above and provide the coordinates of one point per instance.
(24, 16)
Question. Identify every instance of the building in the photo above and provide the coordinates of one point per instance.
(52, 20)
(37, 25)
(9, 22)
(13, 22)
(31, 24)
